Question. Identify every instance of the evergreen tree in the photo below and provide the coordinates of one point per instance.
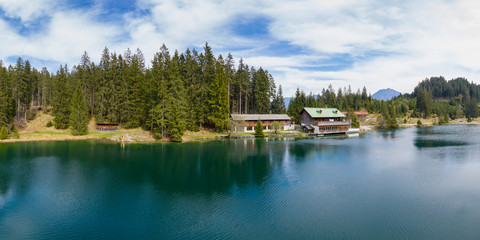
(175, 105)
(190, 70)
(278, 103)
(218, 98)
(296, 105)
(471, 109)
(3, 133)
(7, 102)
(158, 93)
(78, 112)
(424, 102)
(61, 101)
(210, 87)
(353, 117)
(259, 130)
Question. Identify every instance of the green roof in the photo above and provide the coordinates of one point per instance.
(323, 112)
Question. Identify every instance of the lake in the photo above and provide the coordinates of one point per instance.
(393, 184)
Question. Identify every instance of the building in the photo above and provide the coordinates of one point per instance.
(247, 122)
(362, 116)
(321, 121)
(107, 126)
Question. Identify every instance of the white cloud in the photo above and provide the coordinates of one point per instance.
(26, 10)
(422, 38)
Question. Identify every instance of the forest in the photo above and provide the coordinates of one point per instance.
(178, 92)
(196, 90)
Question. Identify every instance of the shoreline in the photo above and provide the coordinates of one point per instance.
(138, 135)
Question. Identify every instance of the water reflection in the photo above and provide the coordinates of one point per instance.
(426, 143)
(191, 167)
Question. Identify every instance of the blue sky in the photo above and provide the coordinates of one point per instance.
(304, 43)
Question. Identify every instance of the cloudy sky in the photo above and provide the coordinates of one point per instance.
(303, 43)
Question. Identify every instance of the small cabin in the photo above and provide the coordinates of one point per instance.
(248, 122)
(107, 126)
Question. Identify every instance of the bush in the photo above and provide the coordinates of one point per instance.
(15, 132)
(3, 133)
(49, 124)
(276, 127)
(31, 114)
(419, 123)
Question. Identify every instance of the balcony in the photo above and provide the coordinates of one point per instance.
(334, 123)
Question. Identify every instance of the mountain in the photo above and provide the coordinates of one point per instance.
(385, 94)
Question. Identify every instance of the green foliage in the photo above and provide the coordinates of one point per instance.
(419, 123)
(355, 122)
(278, 103)
(78, 113)
(61, 100)
(296, 105)
(424, 102)
(276, 126)
(15, 133)
(49, 124)
(471, 109)
(259, 130)
(3, 133)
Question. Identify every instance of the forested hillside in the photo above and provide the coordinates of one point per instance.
(179, 91)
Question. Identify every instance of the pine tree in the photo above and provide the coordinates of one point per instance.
(259, 130)
(175, 104)
(158, 93)
(355, 122)
(7, 102)
(61, 101)
(3, 133)
(190, 70)
(218, 97)
(78, 112)
(210, 87)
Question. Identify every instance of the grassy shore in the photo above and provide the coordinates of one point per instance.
(36, 130)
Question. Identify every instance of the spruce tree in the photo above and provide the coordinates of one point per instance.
(218, 97)
(3, 133)
(61, 101)
(175, 104)
(355, 122)
(78, 113)
(259, 130)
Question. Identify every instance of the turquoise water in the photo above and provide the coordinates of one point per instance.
(403, 184)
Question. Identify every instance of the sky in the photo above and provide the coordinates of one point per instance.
(306, 44)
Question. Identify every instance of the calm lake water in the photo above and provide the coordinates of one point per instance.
(404, 184)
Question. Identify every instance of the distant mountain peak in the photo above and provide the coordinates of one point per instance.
(385, 94)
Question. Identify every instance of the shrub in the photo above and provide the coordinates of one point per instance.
(15, 132)
(419, 123)
(276, 127)
(31, 114)
(49, 124)
(3, 133)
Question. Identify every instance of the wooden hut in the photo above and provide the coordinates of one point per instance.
(107, 126)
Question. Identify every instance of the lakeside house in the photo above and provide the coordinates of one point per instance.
(320, 121)
(247, 122)
(362, 116)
